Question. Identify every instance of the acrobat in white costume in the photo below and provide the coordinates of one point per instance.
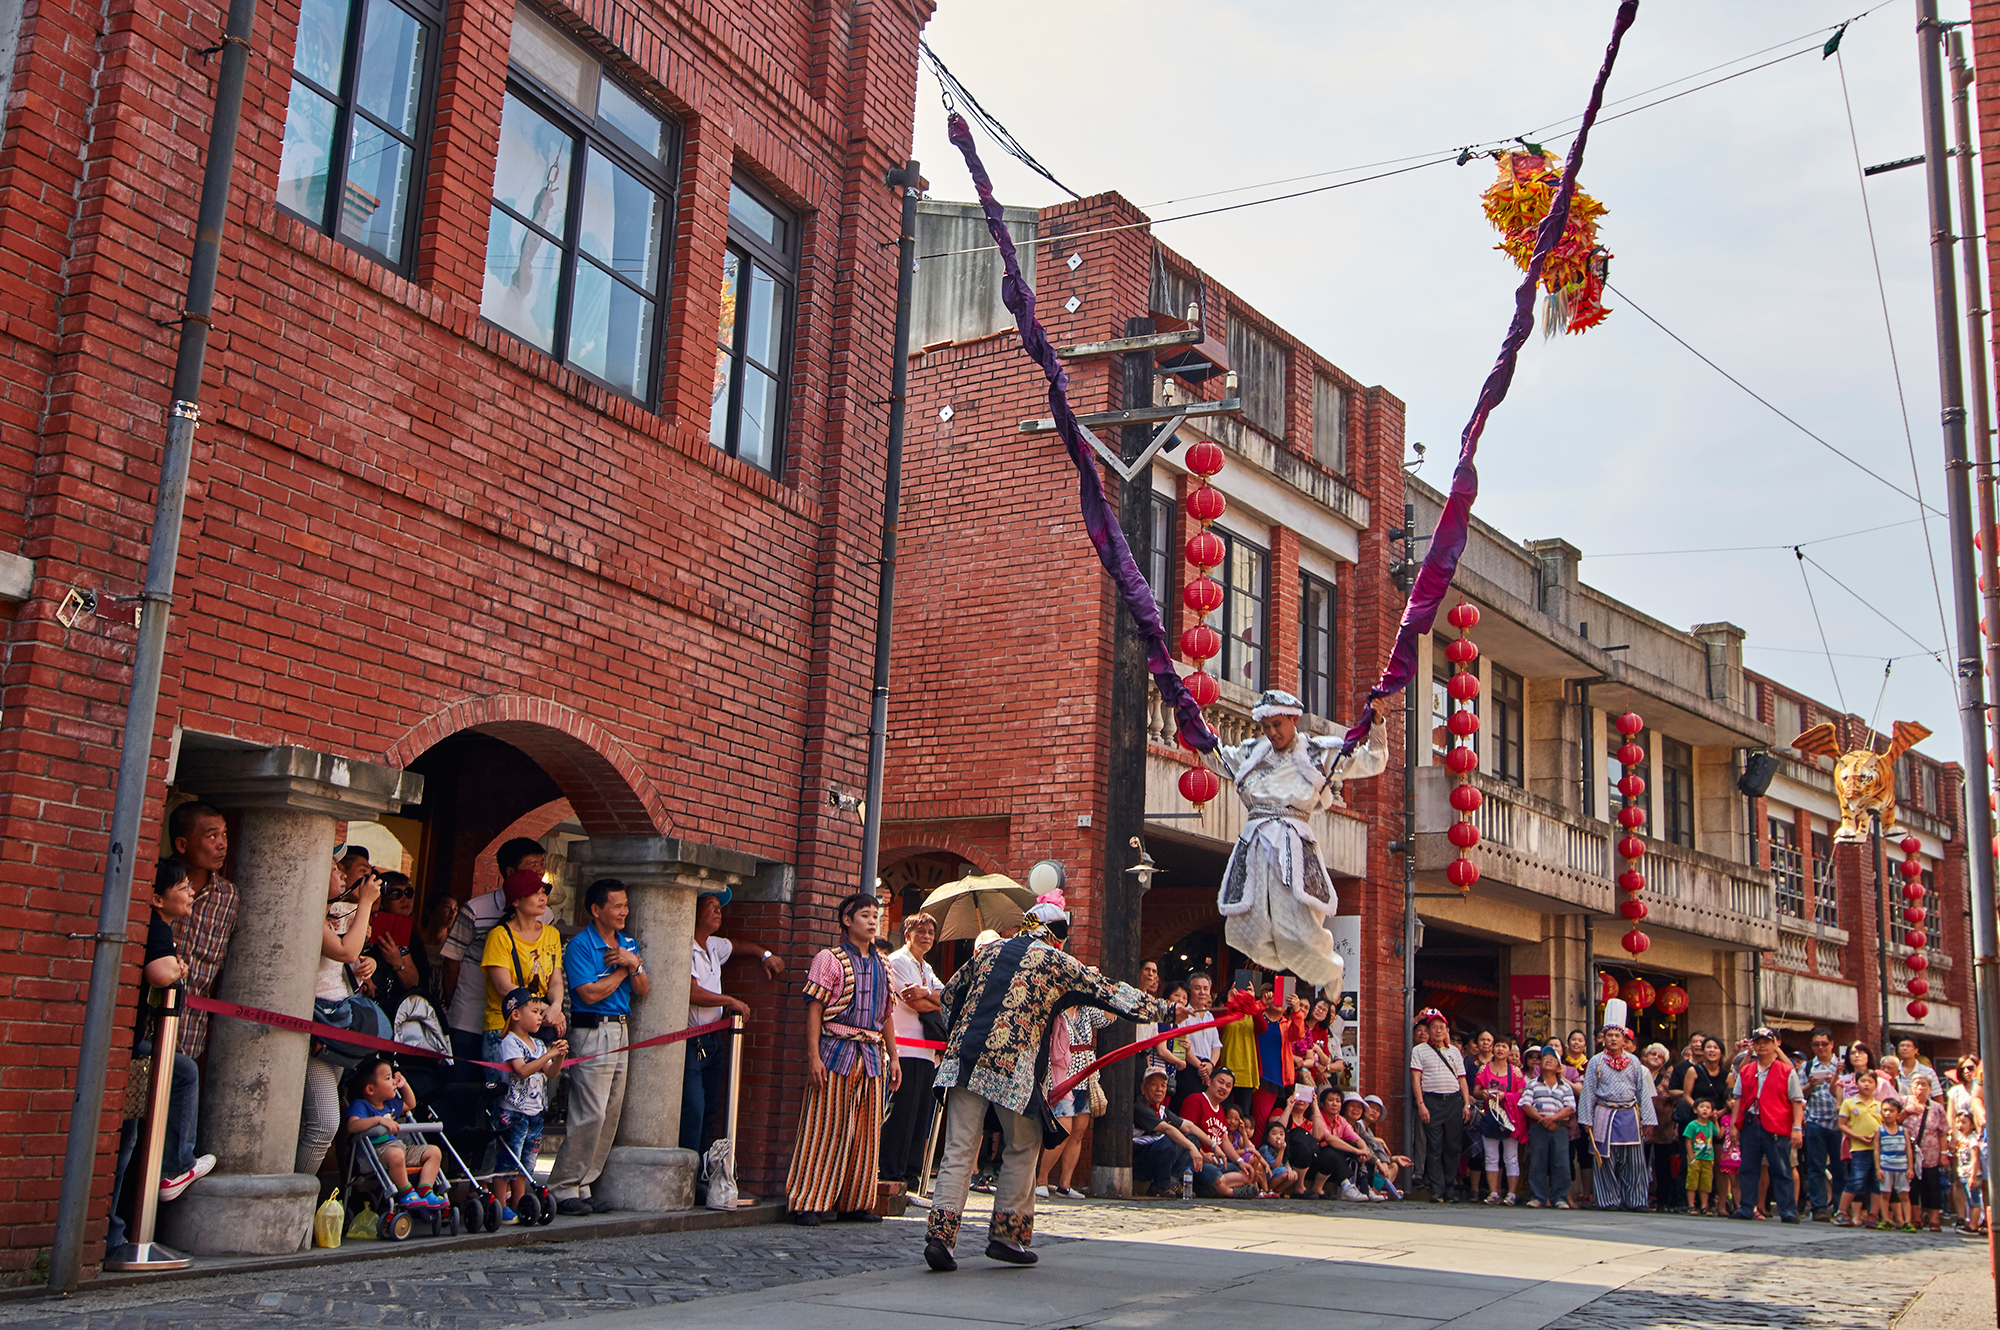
(1276, 893)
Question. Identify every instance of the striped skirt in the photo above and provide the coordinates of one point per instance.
(840, 1136)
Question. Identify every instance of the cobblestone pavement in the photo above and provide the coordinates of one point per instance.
(1847, 1281)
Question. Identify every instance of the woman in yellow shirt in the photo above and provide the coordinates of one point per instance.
(522, 950)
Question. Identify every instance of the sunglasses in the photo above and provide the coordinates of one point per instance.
(399, 893)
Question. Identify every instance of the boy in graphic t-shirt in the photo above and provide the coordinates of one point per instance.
(1701, 1135)
(1860, 1123)
(1892, 1167)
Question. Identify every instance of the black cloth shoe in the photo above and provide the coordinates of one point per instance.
(939, 1258)
(599, 1207)
(858, 1217)
(1788, 1219)
(806, 1218)
(1000, 1251)
(574, 1206)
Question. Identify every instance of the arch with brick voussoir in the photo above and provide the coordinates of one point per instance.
(610, 793)
(898, 846)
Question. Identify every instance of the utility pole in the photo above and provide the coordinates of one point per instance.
(906, 180)
(142, 708)
(1125, 776)
(1405, 577)
(1965, 596)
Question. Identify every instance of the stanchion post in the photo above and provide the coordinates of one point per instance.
(735, 1085)
(139, 1251)
(926, 1175)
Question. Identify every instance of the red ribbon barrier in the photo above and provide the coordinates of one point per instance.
(1139, 1046)
(338, 1035)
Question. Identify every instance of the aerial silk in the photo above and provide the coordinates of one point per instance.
(1100, 520)
(1448, 538)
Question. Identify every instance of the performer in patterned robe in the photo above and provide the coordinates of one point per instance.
(850, 1048)
(1614, 1102)
(1276, 894)
(1001, 1006)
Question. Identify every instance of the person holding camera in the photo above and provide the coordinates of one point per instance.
(401, 967)
(352, 890)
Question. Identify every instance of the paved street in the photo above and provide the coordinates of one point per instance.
(1141, 1264)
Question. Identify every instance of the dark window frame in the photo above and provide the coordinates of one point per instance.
(430, 16)
(1227, 664)
(783, 263)
(1163, 558)
(1788, 867)
(1826, 899)
(1510, 699)
(1318, 680)
(1443, 704)
(661, 174)
(1677, 792)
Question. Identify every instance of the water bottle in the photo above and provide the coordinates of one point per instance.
(1187, 1184)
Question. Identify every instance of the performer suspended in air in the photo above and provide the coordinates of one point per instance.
(1001, 1005)
(1276, 894)
(1614, 1101)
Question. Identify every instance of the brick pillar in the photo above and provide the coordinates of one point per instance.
(1284, 657)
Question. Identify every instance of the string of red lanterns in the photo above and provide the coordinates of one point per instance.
(1915, 938)
(1631, 845)
(1463, 759)
(1203, 595)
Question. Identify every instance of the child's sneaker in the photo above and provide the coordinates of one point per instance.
(440, 1198)
(508, 1216)
(1909, 1228)
(413, 1200)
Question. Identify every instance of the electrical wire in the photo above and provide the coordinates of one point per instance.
(1781, 545)
(1895, 364)
(1844, 655)
(1820, 624)
(1766, 402)
(1932, 652)
(954, 90)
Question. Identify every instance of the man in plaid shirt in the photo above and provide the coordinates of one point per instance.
(1822, 1135)
(200, 838)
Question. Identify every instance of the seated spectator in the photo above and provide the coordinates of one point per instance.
(1363, 1112)
(1208, 1126)
(1284, 1179)
(1354, 1111)
(380, 1103)
(1242, 1144)
(1316, 1148)
(180, 1168)
(1161, 1146)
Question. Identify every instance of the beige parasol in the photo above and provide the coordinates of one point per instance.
(972, 904)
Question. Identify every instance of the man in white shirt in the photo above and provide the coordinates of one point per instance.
(1204, 1046)
(916, 987)
(1444, 1103)
(466, 941)
(708, 1054)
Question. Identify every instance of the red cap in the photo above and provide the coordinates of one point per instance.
(522, 883)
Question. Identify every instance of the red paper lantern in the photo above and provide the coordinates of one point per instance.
(1463, 615)
(1638, 994)
(1607, 987)
(1464, 724)
(1633, 816)
(1918, 961)
(1633, 908)
(1205, 549)
(1631, 847)
(1199, 785)
(1673, 1000)
(1459, 761)
(1462, 834)
(1201, 643)
(1463, 687)
(1204, 458)
(1916, 939)
(1205, 503)
(1202, 688)
(1914, 914)
(1632, 880)
(1919, 986)
(1918, 1010)
(1910, 845)
(1629, 724)
(1466, 798)
(1913, 891)
(1461, 873)
(1203, 595)
(1631, 786)
(1911, 868)
(1635, 942)
(1461, 651)
(1630, 755)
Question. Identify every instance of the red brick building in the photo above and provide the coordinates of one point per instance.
(482, 495)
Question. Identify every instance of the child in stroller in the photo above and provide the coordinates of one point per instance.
(379, 1117)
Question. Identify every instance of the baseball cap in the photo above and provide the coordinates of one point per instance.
(1763, 1032)
(522, 883)
(1374, 1099)
(518, 997)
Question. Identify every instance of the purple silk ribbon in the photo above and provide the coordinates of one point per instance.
(1099, 518)
(1448, 539)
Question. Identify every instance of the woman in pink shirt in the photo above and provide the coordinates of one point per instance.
(1498, 1089)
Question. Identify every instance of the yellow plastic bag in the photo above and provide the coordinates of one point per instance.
(365, 1224)
(328, 1221)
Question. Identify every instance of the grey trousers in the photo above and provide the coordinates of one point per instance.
(596, 1101)
(1013, 1196)
(1623, 1178)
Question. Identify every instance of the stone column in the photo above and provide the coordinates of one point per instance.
(647, 1169)
(255, 1082)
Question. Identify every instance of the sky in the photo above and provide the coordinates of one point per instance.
(1735, 215)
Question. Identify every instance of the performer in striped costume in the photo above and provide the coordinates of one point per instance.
(1614, 1101)
(850, 1047)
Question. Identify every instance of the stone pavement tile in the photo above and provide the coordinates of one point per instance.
(1959, 1299)
(1327, 1285)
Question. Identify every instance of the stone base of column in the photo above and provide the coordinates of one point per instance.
(242, 1214)
(641, 1177)
(1109, 1182)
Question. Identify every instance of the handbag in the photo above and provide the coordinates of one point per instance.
(1053, 1131)
(357, 1013)
(1493, 1121)
(1098, 1102)
(935, 1027)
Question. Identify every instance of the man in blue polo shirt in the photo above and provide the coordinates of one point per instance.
(605, 974)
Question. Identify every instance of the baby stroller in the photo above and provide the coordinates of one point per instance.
(398, 1221)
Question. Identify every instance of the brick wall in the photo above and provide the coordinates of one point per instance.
(397, 510)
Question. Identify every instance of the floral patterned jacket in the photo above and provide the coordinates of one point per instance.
(1000, 1005)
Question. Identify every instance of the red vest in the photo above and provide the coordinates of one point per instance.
(1774, 1105)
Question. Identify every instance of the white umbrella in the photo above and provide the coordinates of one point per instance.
(969, 906)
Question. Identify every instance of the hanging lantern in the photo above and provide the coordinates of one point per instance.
(1199, 785)
(1915, 939)
(1633, 908)
(1673, 1000)
(1607, 987)
(1204, 458)
(1202, 595)
(1205, 550)
(1203, 688)
(1919, 985)
(1201, 643)
(1463, 759)
(1638, 995)
(1205, 503)
(1631, 846)
(1635, 942)
(1918, 1010)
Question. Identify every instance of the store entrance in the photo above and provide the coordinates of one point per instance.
(1461, 975)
